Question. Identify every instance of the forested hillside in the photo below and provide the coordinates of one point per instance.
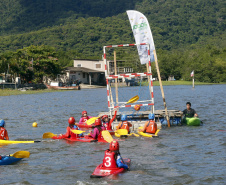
(79, 29)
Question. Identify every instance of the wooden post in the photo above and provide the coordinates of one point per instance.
(116, 80)
(160, 83)
(193, 79)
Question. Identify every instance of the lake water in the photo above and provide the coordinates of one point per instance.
(180, 155)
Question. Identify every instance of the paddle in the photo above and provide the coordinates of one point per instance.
(21, 154)
(122, 131)
(48, 135)
(77, 131)
(91, 120)
(132, 100)
(107, 136)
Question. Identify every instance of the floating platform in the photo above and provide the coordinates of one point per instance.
(139, 118)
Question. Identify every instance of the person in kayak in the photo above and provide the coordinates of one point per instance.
(150, 126)
(112, 157)
(96, 133)
(124, 124)
(189, 112)
(72, 126)
(3, 131)
(107, 122)
(84, 117)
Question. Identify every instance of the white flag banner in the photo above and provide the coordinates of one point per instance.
(192, 73)
(142, 34)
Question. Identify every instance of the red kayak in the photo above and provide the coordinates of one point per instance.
(81, 139)
(101, 171)
(84, 125)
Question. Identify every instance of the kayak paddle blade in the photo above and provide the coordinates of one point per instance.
(77, 131)
(122, 131)
(136, 135)
(48, 135)
(107, 136)
(21, 154)
(133, 99)
(91, 120)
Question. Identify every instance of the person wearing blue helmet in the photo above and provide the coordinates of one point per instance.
(124, 124)
(3, 131)
(150, 126)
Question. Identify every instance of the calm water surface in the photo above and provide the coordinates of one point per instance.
(181, 155)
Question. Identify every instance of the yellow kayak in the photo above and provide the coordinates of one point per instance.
(147, 134)
(6, 142)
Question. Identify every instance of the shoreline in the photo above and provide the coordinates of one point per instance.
(10, 92)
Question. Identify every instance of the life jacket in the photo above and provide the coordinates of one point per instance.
(109, 160)
(151, 127)
(100, 137)
(3, 133)
(106, 126)
(73, 135)
(84, 119)
(124, 125)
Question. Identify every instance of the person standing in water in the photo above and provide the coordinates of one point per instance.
(189, 112)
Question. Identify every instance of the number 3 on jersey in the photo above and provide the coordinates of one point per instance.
(107, 161)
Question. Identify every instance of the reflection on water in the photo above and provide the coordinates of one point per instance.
(181, 155)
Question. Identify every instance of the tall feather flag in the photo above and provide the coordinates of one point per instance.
(142, 34)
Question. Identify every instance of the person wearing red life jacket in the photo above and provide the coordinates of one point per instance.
(112, 157)
(96, 133)
(124, 124)
(107, 122)
(150, 126)
(72, 126)
(84, 117)
(3, 131)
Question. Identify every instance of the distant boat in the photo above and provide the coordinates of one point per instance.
(55, 85)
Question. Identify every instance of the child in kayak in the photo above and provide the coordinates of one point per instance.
(97, 130)
(112, 158)
(72, 126)
(106, 122)
(124, 124)
(84, 117)
(150, 126)
(3, 131)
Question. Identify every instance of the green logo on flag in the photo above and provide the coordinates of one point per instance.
(140, 26)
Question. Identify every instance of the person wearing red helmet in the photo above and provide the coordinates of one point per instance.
(96, 133)
(107, 122)
(112, 157)
(84, 117)
(72, 126)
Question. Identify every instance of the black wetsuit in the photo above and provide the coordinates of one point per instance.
(189, 113)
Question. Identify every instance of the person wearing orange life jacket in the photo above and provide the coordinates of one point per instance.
(112, 157)
(72, 126)
(96, 133)
(106, 122)
(150, 126)
(124, 124)
(3, 131)
(84, 117)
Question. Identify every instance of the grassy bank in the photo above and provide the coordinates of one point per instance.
(181, 82)
(9, 92)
